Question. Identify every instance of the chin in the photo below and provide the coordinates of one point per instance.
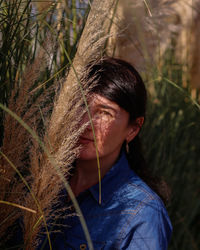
(87, 155)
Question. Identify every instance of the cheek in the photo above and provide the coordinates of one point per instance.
(108, 135)
(103, 129)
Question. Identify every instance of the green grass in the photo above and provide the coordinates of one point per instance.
(171, 142)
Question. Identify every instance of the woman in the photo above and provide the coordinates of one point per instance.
(130, 215)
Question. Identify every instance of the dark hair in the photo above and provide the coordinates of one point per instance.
(119, 82)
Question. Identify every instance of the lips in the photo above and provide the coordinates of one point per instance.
(84, 140)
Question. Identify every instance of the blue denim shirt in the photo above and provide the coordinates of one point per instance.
(131, 215)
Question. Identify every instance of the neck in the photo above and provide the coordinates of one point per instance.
(86, 174)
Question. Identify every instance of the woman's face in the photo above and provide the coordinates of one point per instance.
(111, 127)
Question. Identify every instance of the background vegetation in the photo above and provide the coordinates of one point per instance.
(171, 135)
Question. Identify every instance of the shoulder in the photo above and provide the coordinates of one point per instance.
(147, 223)
(135, 192)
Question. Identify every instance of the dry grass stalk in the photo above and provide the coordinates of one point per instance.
(16, 142)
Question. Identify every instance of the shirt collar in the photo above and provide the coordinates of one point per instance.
(115, 177)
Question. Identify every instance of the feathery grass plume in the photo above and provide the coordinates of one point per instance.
(17, 141)
(91, 46)
(142, 29)
(46, 183)
(15, 38)
(62, 133)
(187, 43)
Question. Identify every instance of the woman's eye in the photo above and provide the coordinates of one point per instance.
(105, 112)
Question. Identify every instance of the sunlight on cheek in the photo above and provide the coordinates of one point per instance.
(103, 126)
(104, 132)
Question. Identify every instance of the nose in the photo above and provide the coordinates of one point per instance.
(86, 121)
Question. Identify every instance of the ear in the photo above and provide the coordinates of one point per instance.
(134, 128)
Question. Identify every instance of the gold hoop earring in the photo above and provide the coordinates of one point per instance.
(127, 148)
